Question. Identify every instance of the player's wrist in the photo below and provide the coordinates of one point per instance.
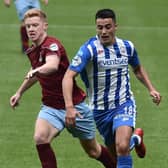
(69, 106)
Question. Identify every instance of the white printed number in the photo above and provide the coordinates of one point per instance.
(129, 110)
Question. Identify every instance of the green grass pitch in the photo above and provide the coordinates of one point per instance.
(143, 22)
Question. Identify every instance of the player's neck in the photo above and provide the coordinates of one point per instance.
(40, 40)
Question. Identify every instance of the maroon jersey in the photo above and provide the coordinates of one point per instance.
(52, 84)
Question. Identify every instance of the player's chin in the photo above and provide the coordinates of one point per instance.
(33, 38)
(105, 41)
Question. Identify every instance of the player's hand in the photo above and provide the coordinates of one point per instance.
(31, 73)
(14, 100)
(70, 118)
(156, 97)
(45, 2)
(7, 3)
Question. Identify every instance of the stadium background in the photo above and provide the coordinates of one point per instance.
(143, 22)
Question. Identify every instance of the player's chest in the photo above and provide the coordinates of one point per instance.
(37, 58)
(108, 59)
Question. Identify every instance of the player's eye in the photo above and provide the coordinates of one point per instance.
(27, 26)
(108, 26)
(99, 27)
(35, 25)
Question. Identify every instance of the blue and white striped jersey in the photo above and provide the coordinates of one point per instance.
(105, 72)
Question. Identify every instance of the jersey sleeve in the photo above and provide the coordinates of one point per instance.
(134, 59)
(53, 49)
(81, 59)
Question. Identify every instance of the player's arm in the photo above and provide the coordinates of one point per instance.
(142, 75)
(27, 83)
(51, 65)
(77, 65)
(67, 86)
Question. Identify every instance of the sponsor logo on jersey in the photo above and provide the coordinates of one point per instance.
(53, 47)
(76, 60)
(116, 61)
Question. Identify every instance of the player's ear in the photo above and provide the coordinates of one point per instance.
(116, 26)
(45, 26)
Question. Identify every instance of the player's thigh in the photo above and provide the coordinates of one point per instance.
(50, 122)
(125, 119)
(123, 124)
(123, 135)
(44, 131)
(85, 126)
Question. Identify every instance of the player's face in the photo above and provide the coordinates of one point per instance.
(106, 30)
(36, 29)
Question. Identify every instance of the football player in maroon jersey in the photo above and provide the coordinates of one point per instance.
(48, 64)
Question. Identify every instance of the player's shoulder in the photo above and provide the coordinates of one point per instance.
(125, 42)
(52, 43)
(90, 41)
(122, 40)
(50, 39)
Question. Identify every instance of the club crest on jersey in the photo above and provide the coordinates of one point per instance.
(122, 50)
(40, 58)
(76, 60)
(100, 51)
(53, 47)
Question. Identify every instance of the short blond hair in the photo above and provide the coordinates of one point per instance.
(35, 12)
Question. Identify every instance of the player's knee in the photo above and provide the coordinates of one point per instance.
(93, 153)
(122, 148)
(40, 138)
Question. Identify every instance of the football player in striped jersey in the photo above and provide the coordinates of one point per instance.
(103, 63)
